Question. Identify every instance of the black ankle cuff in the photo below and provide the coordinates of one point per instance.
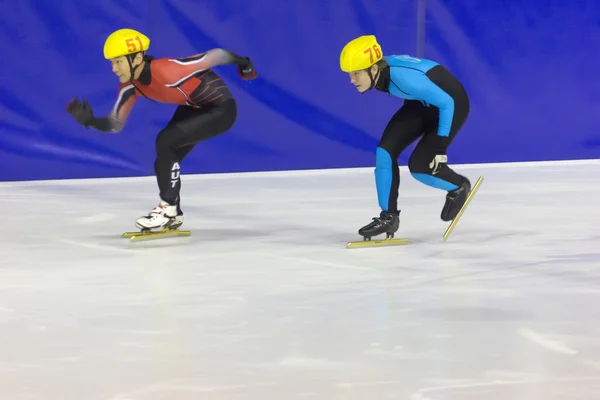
(390, 213)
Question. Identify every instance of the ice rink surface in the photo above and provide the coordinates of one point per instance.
(264, 302)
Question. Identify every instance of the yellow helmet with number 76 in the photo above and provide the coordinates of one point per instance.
(124, 42)
(360, 53)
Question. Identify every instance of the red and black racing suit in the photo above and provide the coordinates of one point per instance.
(206, 108)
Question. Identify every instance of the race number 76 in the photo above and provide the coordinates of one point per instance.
(374, 49)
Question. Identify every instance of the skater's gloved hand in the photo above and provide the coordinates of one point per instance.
(82, 112)
(247, 72)
(439, 145)
(436, 164)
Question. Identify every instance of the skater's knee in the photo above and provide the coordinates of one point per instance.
(383, 159)
(385, 148)
(169, 140)
(430, 171)
(418, 164)
(163, 144)
(434, 181)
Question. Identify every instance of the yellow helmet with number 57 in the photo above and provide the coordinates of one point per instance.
(124, 42)
(361, 53)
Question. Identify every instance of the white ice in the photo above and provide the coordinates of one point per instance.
(264, 302)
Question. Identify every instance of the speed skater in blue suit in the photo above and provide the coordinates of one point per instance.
(435, 108)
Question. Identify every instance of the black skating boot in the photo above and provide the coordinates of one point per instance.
(455, 199)
(387, 223)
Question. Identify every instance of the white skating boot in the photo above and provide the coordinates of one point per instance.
(164, 216)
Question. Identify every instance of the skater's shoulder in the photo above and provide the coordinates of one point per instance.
(158, 64)
(169, 68)
(163, 70)
(183, 61)
(406, 61)
(125, 87)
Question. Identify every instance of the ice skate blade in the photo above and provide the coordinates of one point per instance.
(139, 235)
(464, 207)
(376, 243)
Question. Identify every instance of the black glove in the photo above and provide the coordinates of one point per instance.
(82, 112)
(247, 72)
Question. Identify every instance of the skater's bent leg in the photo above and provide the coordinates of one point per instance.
(432, 169)
(404, 128)
(429, 163)
(166, 165)
(181, 135)
(181, 154)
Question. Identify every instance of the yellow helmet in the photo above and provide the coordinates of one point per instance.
(124, 42)
(360, 53)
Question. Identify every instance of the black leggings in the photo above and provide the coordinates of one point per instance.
(187, 127)
(409, 123)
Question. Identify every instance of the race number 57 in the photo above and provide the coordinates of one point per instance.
(131, 47)
(374, 49)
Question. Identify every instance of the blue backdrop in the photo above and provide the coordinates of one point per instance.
(531, 69)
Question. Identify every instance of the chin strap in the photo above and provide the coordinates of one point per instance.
(130, 62)
(131, 71)
(373, 79)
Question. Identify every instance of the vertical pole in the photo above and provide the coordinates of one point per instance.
(421, 16)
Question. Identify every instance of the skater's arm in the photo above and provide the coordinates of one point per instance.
(114, 121)
(105, 124)
(212, 58)
(420, 86)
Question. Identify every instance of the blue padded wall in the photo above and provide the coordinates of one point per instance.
(530, 69)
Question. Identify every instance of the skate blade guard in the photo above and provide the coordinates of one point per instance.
(148, 234)
(464, 207)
